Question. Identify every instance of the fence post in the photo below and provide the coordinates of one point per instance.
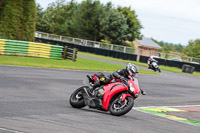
(47, 36)
(191, 59)
(138, 54)
(124, 49)
(164, 55)
(65, 52)
(151, 52)
(111, 47)
(74, 54)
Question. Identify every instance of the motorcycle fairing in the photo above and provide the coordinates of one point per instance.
(124, 95)
(135, 85)
(110, 91)
(155, 64)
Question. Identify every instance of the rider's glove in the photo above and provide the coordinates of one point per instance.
(122, 79)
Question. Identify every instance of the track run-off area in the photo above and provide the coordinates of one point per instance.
(36, 100)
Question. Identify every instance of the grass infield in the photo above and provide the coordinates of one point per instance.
(80, 64)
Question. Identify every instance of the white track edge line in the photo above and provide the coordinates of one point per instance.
(9, 130)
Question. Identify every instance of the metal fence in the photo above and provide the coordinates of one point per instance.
(85, 42)
(114, 47)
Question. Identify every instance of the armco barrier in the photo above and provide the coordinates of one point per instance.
(116, 54)
(2, 45)
(23, 48)
(99, 51)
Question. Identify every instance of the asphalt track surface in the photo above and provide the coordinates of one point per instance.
(36, 100)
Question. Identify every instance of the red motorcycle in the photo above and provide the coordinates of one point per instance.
(117, 96)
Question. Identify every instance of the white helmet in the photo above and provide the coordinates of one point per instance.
(132, 69)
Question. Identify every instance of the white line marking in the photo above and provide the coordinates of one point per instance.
(51, 68)
(13, 131)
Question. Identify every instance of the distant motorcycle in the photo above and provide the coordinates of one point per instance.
(116, 97)
(154, 66)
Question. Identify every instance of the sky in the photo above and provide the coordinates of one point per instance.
(172, 21)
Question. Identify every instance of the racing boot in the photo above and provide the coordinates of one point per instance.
(91, 91)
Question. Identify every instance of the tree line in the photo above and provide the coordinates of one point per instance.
(89, 20)
(191, 50)
(167, 47)
(92, 20)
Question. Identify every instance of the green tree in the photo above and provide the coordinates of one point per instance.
(40, 24)
(89, 20)
(180, 48)
(113, 25)
(193, 48)
(1, 3)
(56, 18)
(17, 19)
(134, 26)
(86, 20)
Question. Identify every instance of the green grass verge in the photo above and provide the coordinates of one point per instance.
(164, 68)
(80, 64)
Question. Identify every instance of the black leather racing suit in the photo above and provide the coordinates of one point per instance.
(119, 74)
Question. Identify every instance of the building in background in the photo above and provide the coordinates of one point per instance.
(146, 47)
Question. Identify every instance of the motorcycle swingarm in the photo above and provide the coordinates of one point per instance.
(90, 101)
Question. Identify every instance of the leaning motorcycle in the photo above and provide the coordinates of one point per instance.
(155, 67)
(116, 97)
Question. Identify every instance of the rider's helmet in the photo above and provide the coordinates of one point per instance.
(150, 58)
(131, 69)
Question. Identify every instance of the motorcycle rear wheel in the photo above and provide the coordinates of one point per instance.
(118, 108)
(76, 99)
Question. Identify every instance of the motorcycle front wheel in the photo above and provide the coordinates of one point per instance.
(159, 70)
(76, 99)
(119, 107)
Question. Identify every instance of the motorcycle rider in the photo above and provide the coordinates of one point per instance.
(121, 74)
(98, 79)
(150, 61)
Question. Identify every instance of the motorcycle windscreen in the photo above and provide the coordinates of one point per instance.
(136, 81)
(136, 85)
